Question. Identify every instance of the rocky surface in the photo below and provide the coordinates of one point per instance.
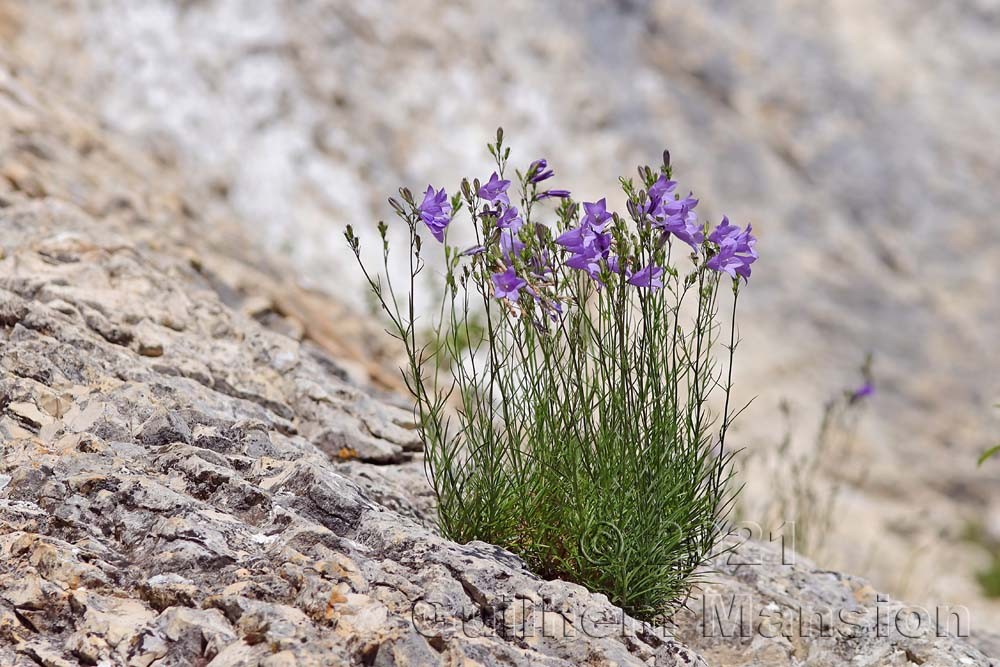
(171, 493)
(181, 484)
(856, 136)
(203, 463)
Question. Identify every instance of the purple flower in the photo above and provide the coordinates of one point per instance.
(650, 276)
(864, 391)
(572, 239)
(588, 243)
(550, 306)
(509, 219)
(540, 264)
(660, 189)
(589, 235)
(538, 171)
(552, 193)
(435, 211)
(737, 250)
(673, 216)
(474, 250)
(676, 216)
(583, 240)
(510, 244)
(495, 190)
(684, 206)
(589, 263)
(723, 231)
(507, 285)
(597, 215)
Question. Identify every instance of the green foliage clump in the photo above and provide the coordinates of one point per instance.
(562, 385)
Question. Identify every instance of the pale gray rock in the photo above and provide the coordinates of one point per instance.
(196, 505)
(190, 477)
(856, 136)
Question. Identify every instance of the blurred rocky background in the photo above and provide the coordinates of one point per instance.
(859, 138)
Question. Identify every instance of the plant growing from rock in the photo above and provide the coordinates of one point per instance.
(562, 393)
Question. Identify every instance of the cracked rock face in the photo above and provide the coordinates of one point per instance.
(190, 506)
(858, 137)
(191, 475)
(182, 484)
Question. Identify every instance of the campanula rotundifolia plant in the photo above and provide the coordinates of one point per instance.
(562, 386)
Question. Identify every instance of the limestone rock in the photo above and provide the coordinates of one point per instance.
(190, 476)
(197, 505)
(856, 136)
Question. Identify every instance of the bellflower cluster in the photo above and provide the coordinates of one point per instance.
(736, 250)
(589, 244)
(508, 223)
(561, 361)
(673, 215)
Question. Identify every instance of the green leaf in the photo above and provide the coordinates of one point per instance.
(987, 454)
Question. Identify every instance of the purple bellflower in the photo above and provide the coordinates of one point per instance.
(673, 216)
(495, 190)
(562, 194)
(510, 245)
(435, 211)
(597, 216)
(677, 217)
(736, 250)
(650, 276)
(507, 285)
(539, 171)
(474, 250)
(588, 243)
(589, 263)
(659, 191)
(864, 391)
(509, 219)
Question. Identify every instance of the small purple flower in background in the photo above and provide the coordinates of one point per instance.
(508, 285)
(650, 276)
(562, 194)
(864, 391)
(540, 264)
(550, 306)
(495, 190)
(539, 171)
(736, 250)
(435, 211)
